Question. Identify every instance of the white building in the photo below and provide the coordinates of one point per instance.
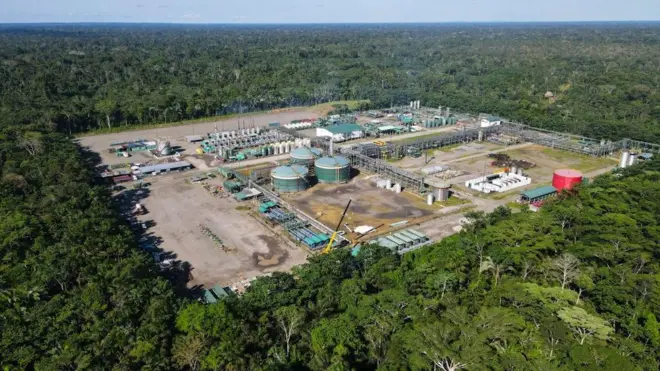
(340, 133)
(486, 123)
(500, 182)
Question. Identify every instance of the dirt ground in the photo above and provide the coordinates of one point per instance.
(178, 208)
(371, 206)
(547, 161)
(443, 155)
(176, 134)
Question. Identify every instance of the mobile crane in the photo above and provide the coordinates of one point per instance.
(328, 248)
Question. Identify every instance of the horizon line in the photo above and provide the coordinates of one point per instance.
(321, 23)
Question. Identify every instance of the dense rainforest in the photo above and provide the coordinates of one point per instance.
(603, 78)
(575, 286)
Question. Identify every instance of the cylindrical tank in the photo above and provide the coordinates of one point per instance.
(289, 178)
(443, 193)
(264, 151)
(164, 148)
(481, 136)
(429, 199)
(514, 170)
(304, 155)
(287, 147)
(566, 179)
(632, 159)
(282, 147)
(624, 159)
(297, 142)
(333, 169)
(276, 149)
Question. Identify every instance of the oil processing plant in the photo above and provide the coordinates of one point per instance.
(299, 185)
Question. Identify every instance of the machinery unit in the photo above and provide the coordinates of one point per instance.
(335, 169)
(290, 178)
(304, 155)
(566, 179)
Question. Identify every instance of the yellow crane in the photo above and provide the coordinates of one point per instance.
(328, 248)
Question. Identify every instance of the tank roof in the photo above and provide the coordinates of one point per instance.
(332, 162)
(569, 173)
(289, 172)
(306, 153)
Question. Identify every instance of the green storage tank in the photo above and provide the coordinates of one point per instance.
(304, 155)
(333, 169)
(290, 178)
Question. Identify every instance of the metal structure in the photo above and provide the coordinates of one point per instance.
(566, 179)
(334, 234)
(405, 178)
(558, 140)
(335, 169)
(640, 146)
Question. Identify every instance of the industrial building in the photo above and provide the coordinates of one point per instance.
(335, 169)
(291, 178)
(305, 155)
(537, 194)
(164, 168)
(341, 132)
(402, 241)
(500, 182)
(566, 179)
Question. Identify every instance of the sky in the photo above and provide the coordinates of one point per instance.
(325, 11)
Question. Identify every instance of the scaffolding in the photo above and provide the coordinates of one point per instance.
(558, 140)
(447, 139)
(636, 145)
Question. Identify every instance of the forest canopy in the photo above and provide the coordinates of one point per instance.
(599, 80)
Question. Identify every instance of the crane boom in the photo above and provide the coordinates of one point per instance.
(334, 234)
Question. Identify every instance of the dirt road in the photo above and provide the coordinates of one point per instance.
(103, 141)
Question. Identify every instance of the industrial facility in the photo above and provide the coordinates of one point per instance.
(291, 186)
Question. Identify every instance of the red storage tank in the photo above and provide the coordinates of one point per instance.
(566, 179)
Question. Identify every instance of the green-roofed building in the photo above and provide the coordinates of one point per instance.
(209, 297)
(538, 194)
